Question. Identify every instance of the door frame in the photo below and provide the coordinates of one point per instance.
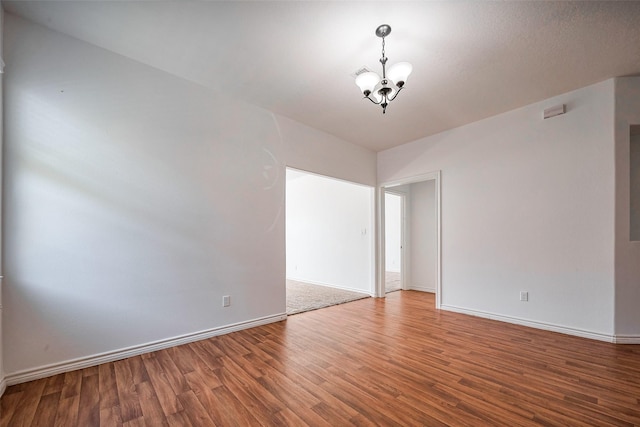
(404, 258)
(380, 247)
(371, 279)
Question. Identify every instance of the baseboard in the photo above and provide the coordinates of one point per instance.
(532, 324)
(422, 289)
(3, 386)
(329, 285)
(626, 339)
(98, 359)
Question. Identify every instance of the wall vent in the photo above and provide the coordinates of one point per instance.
(359, 71)
(554, 111)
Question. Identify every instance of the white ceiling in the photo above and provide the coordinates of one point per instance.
(471, 60)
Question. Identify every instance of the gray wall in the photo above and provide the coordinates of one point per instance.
(527, 205)
(423, 236)
(135, 200)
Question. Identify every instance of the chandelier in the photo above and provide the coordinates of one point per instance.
(383, 90)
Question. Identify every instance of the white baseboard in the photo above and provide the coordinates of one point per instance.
(626, 339)
(329, 285)
(421, 289)
(533, 324)
(98, 359)
(3, 386)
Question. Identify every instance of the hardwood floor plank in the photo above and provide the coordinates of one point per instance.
(90, 371)
(174, 377)
(179, 419)
(107, 386)
(330, 413)
(299, 402)
(167, 397)
(137, 369)
(110, 416)
(127, 396)
(27, 405)
(228, 345)
(194, 410)
(357, 399)
(89, 409)
(262, 404)
(54, 384)
(67, 412)
(371, 362)
(72, 384)
(209, 346)
(443, 414)
(402, 412)
(625, 413)
(150, 405)
(8, 406)
(201, 349)
(184, 359)
(45, 414)
(287, 417)
(362, 421)
(234, 412)
(308, 379)
(200, 365)
(136, 422)
(206, 398)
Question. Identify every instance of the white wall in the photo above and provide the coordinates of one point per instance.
(423, 236)
(527, 204)
(627, 252)
(314, 151)
(393, 232)
(329, 232)
(135, 200)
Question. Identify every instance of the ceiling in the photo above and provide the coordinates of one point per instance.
(471, 60)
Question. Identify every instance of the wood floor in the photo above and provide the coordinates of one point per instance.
(369, 362)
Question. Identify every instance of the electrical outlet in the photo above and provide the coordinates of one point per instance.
(524, 296)
(226, 301)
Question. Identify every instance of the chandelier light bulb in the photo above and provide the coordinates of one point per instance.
(398, 73)
(367, 82)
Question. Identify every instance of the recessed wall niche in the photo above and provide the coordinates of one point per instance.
(634, 184)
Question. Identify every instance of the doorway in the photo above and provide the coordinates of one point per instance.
(420, 265)
(394, 216)
(329, 241)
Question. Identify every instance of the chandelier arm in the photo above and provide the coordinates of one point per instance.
(396, 94)
(369, 98)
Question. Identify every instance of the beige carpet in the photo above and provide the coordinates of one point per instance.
(303, 297)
